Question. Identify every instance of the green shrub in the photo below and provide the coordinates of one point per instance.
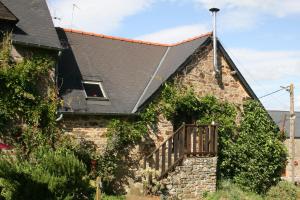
(231, 191)
(283, 190)
(46, 175)
(258, 156)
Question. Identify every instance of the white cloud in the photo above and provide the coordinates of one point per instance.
(175, 34)
(278, 8)
(94, 15)
(241, 14)
(268, 65)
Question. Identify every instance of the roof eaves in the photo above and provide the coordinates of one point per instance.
(96, 113)
(36, 45)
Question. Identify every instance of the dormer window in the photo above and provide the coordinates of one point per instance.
(94, 90)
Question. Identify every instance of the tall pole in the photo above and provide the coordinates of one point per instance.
(292, 132)
(214, 12)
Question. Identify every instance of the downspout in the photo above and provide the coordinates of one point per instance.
(56, 82)
(216, 66)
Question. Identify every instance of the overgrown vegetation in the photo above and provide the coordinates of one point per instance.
(40, 166)
(115, 161)
(258, 155)
(229, 190)
(251, 152)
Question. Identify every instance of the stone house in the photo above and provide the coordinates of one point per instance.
(103, 77)
(282, 119)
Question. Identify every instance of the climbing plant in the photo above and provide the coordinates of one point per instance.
(41, 167)
(28, 102)
(251, 151)
(114, 163)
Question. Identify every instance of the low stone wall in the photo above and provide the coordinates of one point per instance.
(193, 178)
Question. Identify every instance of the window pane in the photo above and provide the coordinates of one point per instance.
(93, 90)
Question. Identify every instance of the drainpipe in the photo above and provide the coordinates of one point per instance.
(214, 12)
(56, 81)
(60, 117)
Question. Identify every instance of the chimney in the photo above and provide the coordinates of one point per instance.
(214, 12)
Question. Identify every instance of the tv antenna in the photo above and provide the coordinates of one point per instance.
(73, 10)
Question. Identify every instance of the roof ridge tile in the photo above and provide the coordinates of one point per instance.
(134, 40)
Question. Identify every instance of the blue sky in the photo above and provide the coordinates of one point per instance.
(262, 37)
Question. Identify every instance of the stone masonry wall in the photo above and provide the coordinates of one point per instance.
(193, 178)
(202, 78)
(88, 128)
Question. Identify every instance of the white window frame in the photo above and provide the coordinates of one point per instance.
(101, 88)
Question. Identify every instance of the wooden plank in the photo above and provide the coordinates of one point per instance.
(163, 158)
(206, 146)
(157, 159)
(188, 139)
(171, 167)
(216, 139)
(201, 139)
(170, 145)
(195, 139)
(209, 147)
(213, 138)
(175, 140)
(181, 142)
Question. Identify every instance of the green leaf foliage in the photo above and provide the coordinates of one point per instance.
(114, 163)
(283, 190)
(42, 166)
(259, 155)
(47, 174)
(251, 152)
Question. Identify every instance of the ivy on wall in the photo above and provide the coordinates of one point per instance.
(41, 166)
(251, 151)
(27, 107)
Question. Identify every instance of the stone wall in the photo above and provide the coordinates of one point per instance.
(288, 171)
(90, 128)
(193, 178)
(201, 76)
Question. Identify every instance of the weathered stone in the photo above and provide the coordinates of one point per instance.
(195, 179)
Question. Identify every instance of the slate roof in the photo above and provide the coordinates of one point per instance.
(277, 116)
(6, 14)
(35, 26)
(131, 71)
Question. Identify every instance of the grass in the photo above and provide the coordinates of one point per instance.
(230, 191)
(110, 197)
